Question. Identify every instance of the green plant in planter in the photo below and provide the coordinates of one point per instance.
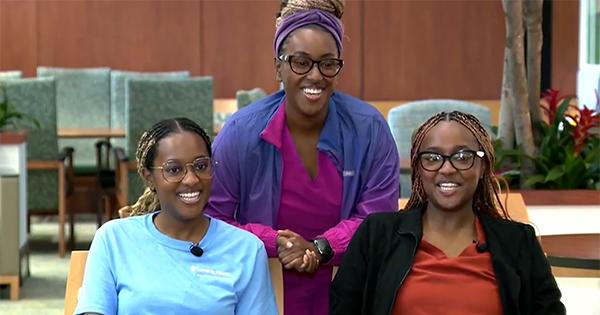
(568, 154)
(9, 117)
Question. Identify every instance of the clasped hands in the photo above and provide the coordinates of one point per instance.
(294, 252)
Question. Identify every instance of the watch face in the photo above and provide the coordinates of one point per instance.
(324, 249)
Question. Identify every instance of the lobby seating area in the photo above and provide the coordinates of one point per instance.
(84, 79)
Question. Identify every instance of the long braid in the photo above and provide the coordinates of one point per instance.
(146, 153)
(486, 198)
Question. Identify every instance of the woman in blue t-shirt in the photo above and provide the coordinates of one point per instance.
(173, 259)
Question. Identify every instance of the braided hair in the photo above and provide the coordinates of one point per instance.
(146, 153)
(289, 7)
(486, 198)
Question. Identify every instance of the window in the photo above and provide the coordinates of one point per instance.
(588, 76)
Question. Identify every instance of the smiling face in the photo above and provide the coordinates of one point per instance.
(449, 189)
(307, 95)
(184, 200)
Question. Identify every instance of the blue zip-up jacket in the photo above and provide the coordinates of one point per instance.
(247, 175)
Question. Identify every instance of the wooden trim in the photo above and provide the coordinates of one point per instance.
(276, 271)
(573, 197)
(562, 246)
(43, 165)
(13, 281)
(574, 272)
(13, 137)
(132, 166)
(74, 279)
(90, 133)
(225, 105)
(121, 189)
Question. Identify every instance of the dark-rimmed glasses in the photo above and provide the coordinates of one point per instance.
(175, 171)
(461, 160)
(300, 65)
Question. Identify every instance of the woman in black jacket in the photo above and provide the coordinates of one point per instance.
(454, 249)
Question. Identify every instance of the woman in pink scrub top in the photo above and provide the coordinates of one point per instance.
(302, 167)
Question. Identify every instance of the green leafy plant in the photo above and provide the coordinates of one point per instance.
(9, 117)
(568, 155)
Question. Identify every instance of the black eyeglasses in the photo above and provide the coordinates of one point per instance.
(328, 67)
(175, 172)
(461, 160)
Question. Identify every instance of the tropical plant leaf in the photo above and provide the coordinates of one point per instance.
(533, 180)
(554, 174)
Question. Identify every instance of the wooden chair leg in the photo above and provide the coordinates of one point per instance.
(99, 211)
(13, 282)
(109, 205)
(108, 208)
(28, 222)
(62, 209)
(72, 229)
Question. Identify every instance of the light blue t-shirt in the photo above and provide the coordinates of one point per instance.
(132, 268)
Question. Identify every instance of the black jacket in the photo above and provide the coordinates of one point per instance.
(381, 254)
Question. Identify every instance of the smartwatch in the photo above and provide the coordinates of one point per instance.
(322, 246)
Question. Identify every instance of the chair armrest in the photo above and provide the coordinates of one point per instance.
(103, 148)
(100, 143)
(120, 154)
(66, 154)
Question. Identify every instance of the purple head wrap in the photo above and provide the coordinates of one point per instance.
(297, 20)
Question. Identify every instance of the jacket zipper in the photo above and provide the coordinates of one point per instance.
(391, 308)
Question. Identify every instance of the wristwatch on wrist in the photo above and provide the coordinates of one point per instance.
(322, 246)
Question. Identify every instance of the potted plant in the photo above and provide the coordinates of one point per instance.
(9, 117)
(568, 154)
(11, 120)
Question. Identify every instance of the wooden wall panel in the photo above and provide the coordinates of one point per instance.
(18, 36)
(565, 45)
(351, 76)
(238, 44)
(433, 49)
(132, 35)
(394, 50)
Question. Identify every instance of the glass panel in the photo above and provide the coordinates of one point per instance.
(593, 30)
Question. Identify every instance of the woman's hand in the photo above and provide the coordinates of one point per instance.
(295, 252)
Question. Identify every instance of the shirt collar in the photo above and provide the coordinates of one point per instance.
(330, 138)
(274, 130)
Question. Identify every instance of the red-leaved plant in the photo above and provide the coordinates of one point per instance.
(569, 149)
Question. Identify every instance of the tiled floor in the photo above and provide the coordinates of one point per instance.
(43, 293)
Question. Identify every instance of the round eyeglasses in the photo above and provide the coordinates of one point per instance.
(175, 172)
(461, 160)
(300, 65)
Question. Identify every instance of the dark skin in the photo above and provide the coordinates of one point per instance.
(177, 219)
(307, 97)
(182, 220)
(448, 219)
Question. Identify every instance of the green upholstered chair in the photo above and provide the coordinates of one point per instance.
(47, 168)
(118, 118)
(405, 119)
(118, 84)
(149, 101)
(8, 75)
(246, 97)
(82, 101)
